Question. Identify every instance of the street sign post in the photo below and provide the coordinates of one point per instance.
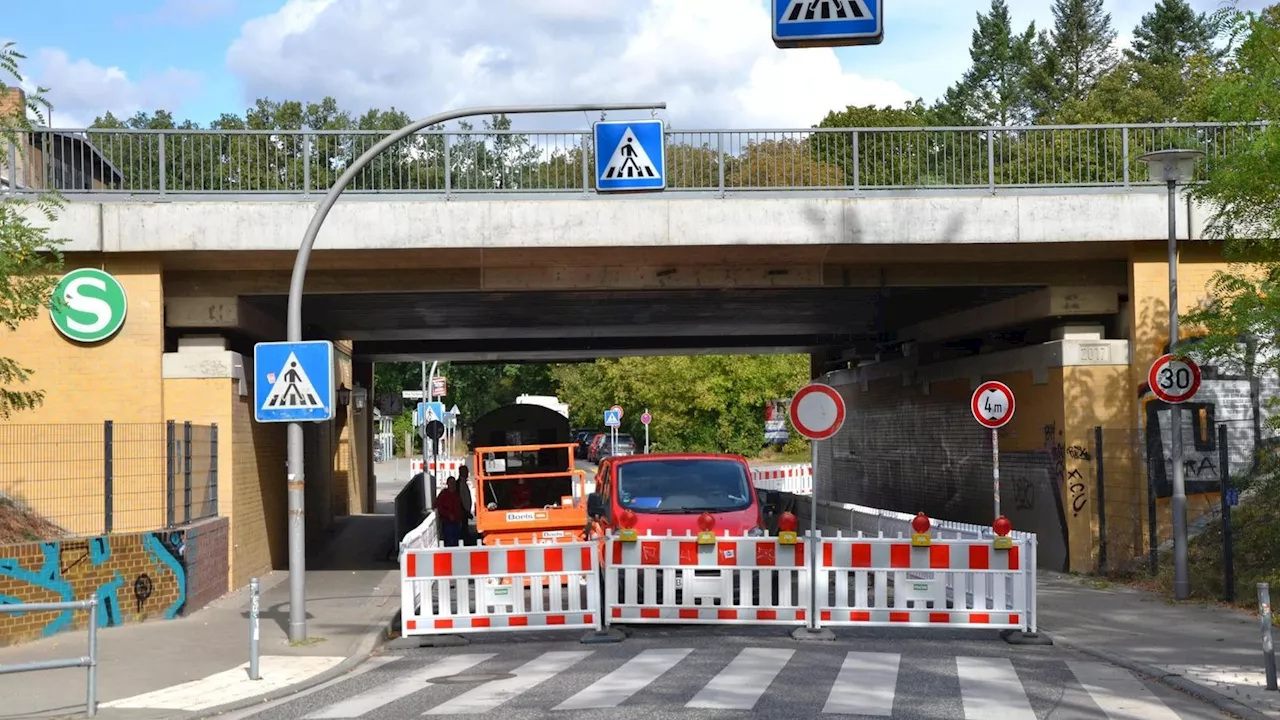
(645, 419)
(992, 405)
(293, 382)
(817, 412)
(630, 156)
(827, 23)
(613, 420)
(1174, 380)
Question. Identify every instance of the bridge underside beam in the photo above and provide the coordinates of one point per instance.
(581, 349)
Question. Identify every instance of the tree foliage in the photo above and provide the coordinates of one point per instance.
(29, 257)
(699, 403)
(1241, 321)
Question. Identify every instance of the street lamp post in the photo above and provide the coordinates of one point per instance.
(295, 488)
(1174, 166)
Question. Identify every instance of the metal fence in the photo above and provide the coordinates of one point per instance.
(291, 162)
(99, 478)
(1130, 486)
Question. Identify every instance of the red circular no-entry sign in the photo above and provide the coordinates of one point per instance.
(992, 404)
(1174, 380)
(817, 411)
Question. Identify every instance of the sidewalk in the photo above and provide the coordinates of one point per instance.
(1212, 652)
(352, 595)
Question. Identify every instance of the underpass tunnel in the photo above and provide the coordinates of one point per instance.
(904, 333)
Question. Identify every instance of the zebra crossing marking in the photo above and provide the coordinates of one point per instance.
(990, 688)
(635, 675)
(372, 699)
(490, 695)
(866, 685)
(740, 685)
(1120, 695)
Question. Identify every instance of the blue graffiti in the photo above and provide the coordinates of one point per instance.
(109, 602)
(99, 551)
(161, 554)
(49, 577)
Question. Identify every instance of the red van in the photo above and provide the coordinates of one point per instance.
(667, 492)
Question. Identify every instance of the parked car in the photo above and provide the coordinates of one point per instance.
(593, 449)
(668, 492)
(625, 446)
(583, 438)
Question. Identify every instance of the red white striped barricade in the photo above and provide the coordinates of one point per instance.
(733, 581)
(794, 479)
(443, 467)
(949, 583)
(500, 588)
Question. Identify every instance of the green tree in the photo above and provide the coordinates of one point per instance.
(1243, 188)
(995, 89)
(707, 403)
(1073, 55)
(29, 258)
(1171, 34)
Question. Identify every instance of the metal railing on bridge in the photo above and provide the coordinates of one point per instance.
(217, 162)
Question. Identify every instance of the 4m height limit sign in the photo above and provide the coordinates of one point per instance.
(992, 404)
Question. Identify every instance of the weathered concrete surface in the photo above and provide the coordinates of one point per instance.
(365, 222)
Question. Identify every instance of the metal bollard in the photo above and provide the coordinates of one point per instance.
(1268, 649)
(253, 629)
(91, 706)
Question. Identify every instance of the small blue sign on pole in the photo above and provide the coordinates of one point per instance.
(1233, 497)
(612, 418)
(827, 23)
(631, 156)
(430, 411)
(293, 382)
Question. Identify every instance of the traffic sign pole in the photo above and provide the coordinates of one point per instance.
(817, 412)
(1175, 381)
(293, 319)
(645, 419)
(992, 405)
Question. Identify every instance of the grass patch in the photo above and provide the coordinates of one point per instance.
(773, 455)
(1255, 527)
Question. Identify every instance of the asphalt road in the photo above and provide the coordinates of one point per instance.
(701, 672)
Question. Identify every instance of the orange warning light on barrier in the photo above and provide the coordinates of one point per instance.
(627, 523)
(787, 524)
(920, 525)
(1002, 527)
(706, 529)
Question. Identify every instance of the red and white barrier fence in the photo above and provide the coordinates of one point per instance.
(794, 479)
(953, 583)
(499, 588)
(917, 581)
(443, 466)
(705, 579)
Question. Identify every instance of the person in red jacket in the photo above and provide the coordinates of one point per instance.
(449, 511)
(522, 495)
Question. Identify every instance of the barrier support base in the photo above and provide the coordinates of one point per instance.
(805, 634)
(1018, 637)
(421, 641)
(611, 635)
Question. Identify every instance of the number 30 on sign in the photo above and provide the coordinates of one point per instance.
(1174, 380)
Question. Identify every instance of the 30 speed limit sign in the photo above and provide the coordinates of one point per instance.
(1174, 380)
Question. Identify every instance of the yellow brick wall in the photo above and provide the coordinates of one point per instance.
(258, 508)
(54, 456)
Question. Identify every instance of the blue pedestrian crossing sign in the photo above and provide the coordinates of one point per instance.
(612, 418)
(430, 411)
(293, 382)
(827, 23)
(631, 156)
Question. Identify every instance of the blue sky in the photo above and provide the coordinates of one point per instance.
(711, 60)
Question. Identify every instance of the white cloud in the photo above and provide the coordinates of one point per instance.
(712, 61)
(80, 90)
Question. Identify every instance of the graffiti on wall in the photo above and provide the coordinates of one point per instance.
(134, 576)
(1225, 397)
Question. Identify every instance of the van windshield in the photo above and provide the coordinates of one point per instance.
(683, 486)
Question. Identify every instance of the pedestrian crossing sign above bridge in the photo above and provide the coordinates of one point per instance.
(293, 382)
(630, 156)
(827, 23)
